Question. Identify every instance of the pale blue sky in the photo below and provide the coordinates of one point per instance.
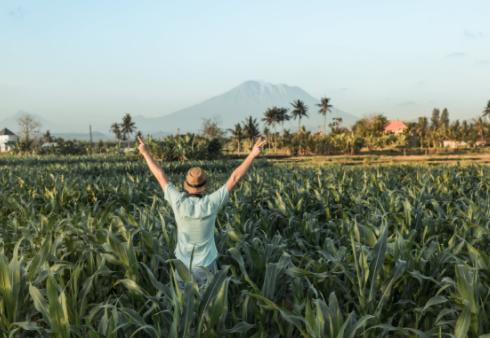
(82, 61)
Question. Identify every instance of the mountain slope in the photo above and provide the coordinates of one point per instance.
(249, 98)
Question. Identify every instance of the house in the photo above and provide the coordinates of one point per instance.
(7, 137)
(395, 127)
(49, 145)
(453, 144)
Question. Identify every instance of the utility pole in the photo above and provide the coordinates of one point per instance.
(90, 133)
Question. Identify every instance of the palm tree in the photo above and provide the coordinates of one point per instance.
(237, 135)
(486, 111)
(271, 118)
(116, 130)
(251, 129)
(325, 108)
(481, 128)
(299, 111)
(127, 127)
(282, 116)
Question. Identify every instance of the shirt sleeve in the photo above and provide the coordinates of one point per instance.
(171, 194)
(219, 197)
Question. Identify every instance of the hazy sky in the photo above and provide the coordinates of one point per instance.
(92, 61)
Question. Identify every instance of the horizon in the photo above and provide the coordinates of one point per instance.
(68, 62)
(105, 133)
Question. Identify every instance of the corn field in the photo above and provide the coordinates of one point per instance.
(86, 250)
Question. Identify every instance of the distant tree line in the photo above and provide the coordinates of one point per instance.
(426, 134)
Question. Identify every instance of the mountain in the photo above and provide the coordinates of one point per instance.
(231, 107)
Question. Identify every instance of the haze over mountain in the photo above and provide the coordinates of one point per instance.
(249, 98)
(233, 106)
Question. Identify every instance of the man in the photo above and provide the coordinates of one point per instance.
(195, 212)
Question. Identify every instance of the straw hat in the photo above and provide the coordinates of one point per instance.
(195, 181)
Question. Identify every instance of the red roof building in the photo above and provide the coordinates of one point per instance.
(395, 127)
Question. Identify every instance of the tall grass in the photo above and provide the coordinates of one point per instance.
(86, 250)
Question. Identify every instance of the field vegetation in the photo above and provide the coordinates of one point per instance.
(86, 250)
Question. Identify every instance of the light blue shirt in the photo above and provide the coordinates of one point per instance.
(195, 218)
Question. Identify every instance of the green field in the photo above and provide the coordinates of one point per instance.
(86, 250)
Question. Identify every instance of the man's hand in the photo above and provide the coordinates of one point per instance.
(238, 173)
(142, 146)
(154, 167)
(258, 146)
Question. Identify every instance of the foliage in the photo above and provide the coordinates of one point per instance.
(251, 129)
(28, 127)
(300, 110)
(324, 108)
(185, 147)
(87, 243)
(211, 129)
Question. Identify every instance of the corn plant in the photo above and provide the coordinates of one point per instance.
(86, 250)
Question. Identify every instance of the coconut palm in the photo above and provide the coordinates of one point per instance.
(127, 127)
(237, 134)
(481, 128)
(251, 129)
(282, 116)
(299, 111)
(486, 111)
(116, 130)
(325, 108)
(271, 118)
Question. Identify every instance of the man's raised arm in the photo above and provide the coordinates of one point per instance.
(154, 167)
(242, 168)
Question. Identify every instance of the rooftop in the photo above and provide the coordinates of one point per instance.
(395, 125)
(6, 131)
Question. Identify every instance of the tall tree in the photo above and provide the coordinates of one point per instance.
(486, 111)
(282, 116)
(422, 128)
(435, 119)
(444, 123)
(251, 129)
(325, 108)
(272, 117)
(465, 131)
(211, 129)
(300, 110)
(335, 125)
(455, 131)
(481, 128)
(116, 130)
(435, 123)
(47, 138)
(237, 134)
(28, 126)
(127, 127)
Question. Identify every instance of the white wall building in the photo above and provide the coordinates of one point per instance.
(6, 136)
(454, 144)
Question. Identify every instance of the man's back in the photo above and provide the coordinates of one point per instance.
(195, 217)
